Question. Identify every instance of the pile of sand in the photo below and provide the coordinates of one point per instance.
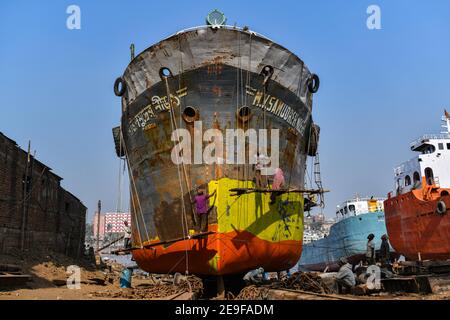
(47, 268)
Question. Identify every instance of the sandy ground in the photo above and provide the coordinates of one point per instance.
(89, 292)
(45, 268)
(51, 294)
(86, 292)
(48, 272)
(113, 292)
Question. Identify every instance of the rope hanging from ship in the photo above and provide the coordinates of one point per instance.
(132, 201)
(246, 124)
(165, 74)
(188, 184)
(122, 143)
(299, 85)
(137, 197)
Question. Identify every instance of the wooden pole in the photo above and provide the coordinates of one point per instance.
(98, 223)
(220, 287)
(24, 206)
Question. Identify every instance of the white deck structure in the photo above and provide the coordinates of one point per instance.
(433, 162)
(359, 206)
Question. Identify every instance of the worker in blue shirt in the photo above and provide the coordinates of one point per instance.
(345, 278)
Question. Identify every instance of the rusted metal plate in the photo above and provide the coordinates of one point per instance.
(418, 284)
(206, 47)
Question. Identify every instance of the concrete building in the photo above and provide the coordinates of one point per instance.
(316, 227)
(35, 211)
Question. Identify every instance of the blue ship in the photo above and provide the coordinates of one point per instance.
(356, 219)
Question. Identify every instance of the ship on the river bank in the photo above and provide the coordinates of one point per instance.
(355, 220)
(222, 78)
(417, 212)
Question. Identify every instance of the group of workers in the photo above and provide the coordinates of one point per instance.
(384, 252)
(278, 179)
(345, 278)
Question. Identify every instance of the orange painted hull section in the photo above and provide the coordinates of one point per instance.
(414, 226)
(219, 254)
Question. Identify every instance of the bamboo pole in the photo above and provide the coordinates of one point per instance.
(24, 204)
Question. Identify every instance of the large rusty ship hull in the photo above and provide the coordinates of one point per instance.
(214, 79)
(415, 229)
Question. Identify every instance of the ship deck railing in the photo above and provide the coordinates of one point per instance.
(437, 136)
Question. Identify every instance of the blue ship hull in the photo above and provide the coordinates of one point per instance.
(347, 238)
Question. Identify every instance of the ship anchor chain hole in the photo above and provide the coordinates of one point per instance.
(165, 72)
(267, 72)
(190, 114)
(244, 113)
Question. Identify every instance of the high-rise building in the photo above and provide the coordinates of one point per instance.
(114, 221)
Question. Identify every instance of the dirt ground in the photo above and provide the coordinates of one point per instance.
(98, 281)
(46, 268)
(48, 274)
(112, 292)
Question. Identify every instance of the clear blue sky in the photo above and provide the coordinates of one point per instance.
(379, 89)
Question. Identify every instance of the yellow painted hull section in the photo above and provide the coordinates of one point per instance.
(253, 212)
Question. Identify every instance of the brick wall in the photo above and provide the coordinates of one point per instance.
(54, 218)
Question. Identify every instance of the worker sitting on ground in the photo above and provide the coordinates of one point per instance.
(345, 279)
(370, 252)
(254, 277)
(277, 184)
(201, 206)
(127, 235)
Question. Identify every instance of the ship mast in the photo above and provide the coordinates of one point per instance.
(446, 123)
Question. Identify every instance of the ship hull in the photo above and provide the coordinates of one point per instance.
(202, 256)
(214, 73)
(415, 229)
(347, 238)
(246, 232)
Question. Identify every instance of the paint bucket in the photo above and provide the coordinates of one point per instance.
(125, 278)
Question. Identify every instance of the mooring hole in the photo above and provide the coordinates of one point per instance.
(244, 112)
(190, 114)
(267, 71)
(165, 72)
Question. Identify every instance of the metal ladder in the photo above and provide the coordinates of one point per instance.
(318, 178)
